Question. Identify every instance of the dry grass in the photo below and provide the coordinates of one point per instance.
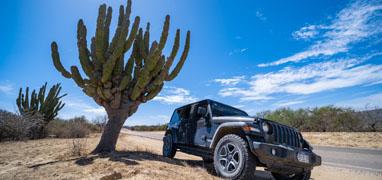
(136, 158)
(348, 139)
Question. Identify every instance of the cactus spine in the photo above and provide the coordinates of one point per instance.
(118, 86)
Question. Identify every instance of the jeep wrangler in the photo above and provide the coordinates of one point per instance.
(237, 143)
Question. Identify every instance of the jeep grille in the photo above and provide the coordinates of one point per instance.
(286, 135)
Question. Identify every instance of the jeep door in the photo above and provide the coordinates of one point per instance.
(199, 126)
(182, 126)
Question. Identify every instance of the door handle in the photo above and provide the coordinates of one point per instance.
(204, 137)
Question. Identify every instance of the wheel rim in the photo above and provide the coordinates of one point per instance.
(229, 158)
(167, 145)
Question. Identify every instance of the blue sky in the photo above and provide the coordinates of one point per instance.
(255, 55)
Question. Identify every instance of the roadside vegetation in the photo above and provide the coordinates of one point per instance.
(328, 119)
(22, 127)
(159, 127)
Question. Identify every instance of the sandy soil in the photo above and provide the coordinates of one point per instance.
(348, 139)
(137, 158)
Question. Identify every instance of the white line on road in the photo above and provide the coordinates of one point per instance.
(350, 166)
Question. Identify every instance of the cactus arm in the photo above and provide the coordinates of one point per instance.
(165, 69)
(107, 28)
(147, 38)
(133, 34)
(141, 45)
(86, 65)
(100, 34)
(118, 68)
(96, 63)
(76, 76)
(57, 62)
(179, 66)
(154, 92)
(118, 30)
(158, 67)
(18, 100)
(164, 35)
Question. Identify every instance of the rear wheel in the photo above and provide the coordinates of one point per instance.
(232, 158)
(303, 176)
(169, 148)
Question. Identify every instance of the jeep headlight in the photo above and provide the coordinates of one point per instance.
(266, 127)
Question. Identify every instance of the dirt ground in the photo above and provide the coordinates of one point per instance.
(137, 158)
(348, 139)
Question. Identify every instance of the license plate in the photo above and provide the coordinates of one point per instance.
(302, 157)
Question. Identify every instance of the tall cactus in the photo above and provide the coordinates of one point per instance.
(41, 105)
(118, 86)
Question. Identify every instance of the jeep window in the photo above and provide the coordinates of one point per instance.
(224, 110)
(195, 113)
(175, 116)
(185, 113)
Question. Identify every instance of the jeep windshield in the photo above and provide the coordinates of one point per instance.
(224, 110)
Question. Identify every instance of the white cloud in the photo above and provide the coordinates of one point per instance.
(374, 100)
(174, 95)
(305, 33)
(236, 51)
(287, 103)
(75, 107)
(232, 81)
(7, 88)
(312, 78)
(353, 24)
(260, 16)
(239, 106)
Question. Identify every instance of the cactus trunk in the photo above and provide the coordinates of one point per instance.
(113, 127)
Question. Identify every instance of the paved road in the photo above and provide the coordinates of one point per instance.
(352, 158)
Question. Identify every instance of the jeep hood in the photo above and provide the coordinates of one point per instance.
(233, 118)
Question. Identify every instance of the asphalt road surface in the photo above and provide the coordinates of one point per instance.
(344, 157)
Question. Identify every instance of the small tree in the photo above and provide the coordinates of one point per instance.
(372, 118)
(112, 83)
(100, 121)
(41, 105)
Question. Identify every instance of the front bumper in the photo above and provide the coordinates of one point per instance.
(284, 160)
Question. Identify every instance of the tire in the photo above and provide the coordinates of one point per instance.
(303, 176)
(169, 148)
(232, 158)
(207, 160)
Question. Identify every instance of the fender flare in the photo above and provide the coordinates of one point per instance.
(220, 129)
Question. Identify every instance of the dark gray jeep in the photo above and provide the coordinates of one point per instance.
(236, 143)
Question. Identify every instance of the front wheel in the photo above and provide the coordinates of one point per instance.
(169, 148)
(303, 176)
(232, 158)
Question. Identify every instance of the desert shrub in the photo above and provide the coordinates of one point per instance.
(79, 146)
(159, 127)
(77, 127)
(16, 127)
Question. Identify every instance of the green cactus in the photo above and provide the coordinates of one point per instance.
(118, 86)
(39, 104)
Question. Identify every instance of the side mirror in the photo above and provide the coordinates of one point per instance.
(202, 111)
